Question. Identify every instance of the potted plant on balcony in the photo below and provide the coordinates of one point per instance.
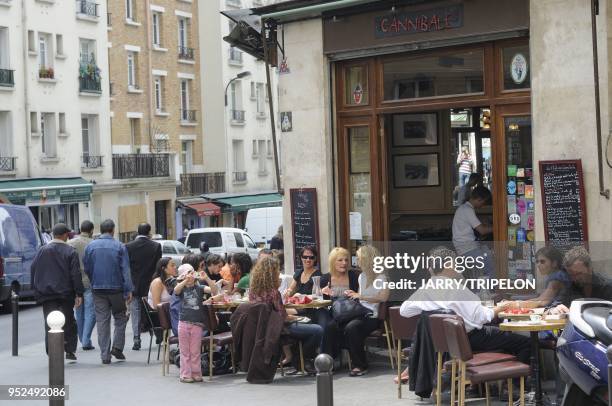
(45, 73)
(89, 70)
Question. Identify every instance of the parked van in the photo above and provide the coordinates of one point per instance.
(222, 240)
(19, 242)
(262, 224)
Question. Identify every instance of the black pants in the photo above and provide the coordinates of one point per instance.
(355, 333)
(66, 306)
(491, 338)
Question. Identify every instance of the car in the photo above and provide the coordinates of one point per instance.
(173, 249)
(20, 239)
(262, 224)
(222, 240)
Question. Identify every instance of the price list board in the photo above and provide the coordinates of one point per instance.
(304, 221)
(562, 185)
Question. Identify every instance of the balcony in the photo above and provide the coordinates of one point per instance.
(90, 85)
(237, 116)
(7, 78)
(91, 161)
(89, 76)
(185, 53)
(7, 163)
(239, 177)
(87, 9)
(235, 57)
(193, 184)
(46, 73)
(130, 166)
(188, 116)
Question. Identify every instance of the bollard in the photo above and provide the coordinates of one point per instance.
(15, 312)
(56, 321)
(325, 380)
(609, 354)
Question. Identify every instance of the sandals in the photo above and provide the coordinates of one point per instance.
(404, 378)
(358, 372)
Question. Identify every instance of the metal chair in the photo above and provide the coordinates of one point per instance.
(385, 331)
(152, 318)
(220, 339)
(402, 328)
(166, 325)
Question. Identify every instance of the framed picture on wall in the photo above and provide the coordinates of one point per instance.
(415, 170)
(415, 129)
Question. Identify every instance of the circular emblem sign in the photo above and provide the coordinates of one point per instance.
(358, 94)
(511, 187)
(514, 218)
(518, 68)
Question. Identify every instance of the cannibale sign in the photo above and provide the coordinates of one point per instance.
(415, 22)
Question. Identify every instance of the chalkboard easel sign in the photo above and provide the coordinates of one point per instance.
(563, 202)
(304, 221)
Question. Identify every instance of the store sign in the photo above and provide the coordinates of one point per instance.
(48, 197)
(518, 68)
(432, 20)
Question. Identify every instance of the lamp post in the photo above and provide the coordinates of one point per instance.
(241, 75)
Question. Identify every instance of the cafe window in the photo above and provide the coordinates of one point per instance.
(356, 85)
(515, 61)
(360, 216)
(451, 73)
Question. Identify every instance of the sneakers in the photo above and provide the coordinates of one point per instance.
(187, 380)
(70, 356)
(88, 347)
(136, 345)
(117, 353)
(198, 379)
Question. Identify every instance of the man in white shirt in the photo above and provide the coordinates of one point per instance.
(465, 222)
(466, 304)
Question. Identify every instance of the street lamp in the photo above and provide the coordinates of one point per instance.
(241, 75)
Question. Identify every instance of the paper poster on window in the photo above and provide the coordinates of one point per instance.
(528, 191)
(355, 232)
(511, 204)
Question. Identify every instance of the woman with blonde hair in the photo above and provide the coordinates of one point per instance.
(265, 281)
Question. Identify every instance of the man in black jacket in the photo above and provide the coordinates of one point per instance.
(57, 282)
(144, 254)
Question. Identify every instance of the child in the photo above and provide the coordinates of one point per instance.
(191, 323)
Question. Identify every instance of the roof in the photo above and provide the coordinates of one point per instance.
(243, 203)
(15, 185)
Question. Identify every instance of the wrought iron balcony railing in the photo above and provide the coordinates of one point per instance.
(193, 184)
(7, 163)
(240, 177)
(238, 116)
(127, 166)
(6, 77)
(90, 85)
(185, 53)
(91, 161)
(88, 8)
(188, 116)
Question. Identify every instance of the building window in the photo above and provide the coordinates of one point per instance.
(33, 122)
(255, 152)
(253, 93)
(187, 156)
(45, 54)
(89, 139)
(131, 61)
(43, 60)
(59, 44)
(129, 10)
(185, 99)
(87, 50)
(262, 158)
(158, 90)
(261, 104)
(6, 142)
(157, 29)
(31, 41)
(182, 32)
(270, 149)
(62, 123)
(48, 136)
(238, 155)
(134, 134)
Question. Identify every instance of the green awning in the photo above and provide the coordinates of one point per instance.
(46, 191)
(243, 203)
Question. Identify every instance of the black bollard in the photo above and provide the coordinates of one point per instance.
(15, 312)
(609, 354)
(56, 321)
(325, 380)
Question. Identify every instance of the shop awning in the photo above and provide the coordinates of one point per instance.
(46, 191)
(243, 203)
(206, 209)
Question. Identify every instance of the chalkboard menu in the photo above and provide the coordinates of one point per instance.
(304, 221)
(564, 206)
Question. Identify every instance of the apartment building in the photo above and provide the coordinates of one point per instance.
(236, 125)
(155, 109)
(54, 115)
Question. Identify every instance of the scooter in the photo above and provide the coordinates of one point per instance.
(583, 350)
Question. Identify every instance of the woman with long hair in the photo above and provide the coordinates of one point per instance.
(159, 290)
(264, 283)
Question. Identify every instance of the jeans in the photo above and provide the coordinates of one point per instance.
(190, 346)
(463, 178)
(65, 306)
(107, 304)
(322, 317)
(85, 318)
(310, 334)
(135, 314)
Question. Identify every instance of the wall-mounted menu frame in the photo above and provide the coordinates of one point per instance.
(304, 221)
(563, 201)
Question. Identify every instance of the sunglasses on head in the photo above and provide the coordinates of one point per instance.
(311, 257)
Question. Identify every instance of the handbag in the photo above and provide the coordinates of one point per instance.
(345, 309)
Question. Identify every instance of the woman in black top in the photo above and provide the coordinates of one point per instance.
(302, 280)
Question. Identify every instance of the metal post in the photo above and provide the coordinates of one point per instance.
(609, 354)
(15, 312)
(325, 380)
(56, 321)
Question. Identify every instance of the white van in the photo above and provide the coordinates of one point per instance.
(222, 240)
(262, 224)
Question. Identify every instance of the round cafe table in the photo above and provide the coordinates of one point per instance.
(534, 328)
(315, 304)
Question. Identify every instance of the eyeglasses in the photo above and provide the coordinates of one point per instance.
(310, 257)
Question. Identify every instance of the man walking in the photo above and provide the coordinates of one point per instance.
(144, 255)
(108, 267)
(57, 283)
(85, 315)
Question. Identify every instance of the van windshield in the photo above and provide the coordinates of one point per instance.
(212, 238)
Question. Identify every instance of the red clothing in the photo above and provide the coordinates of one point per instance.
(272, 297)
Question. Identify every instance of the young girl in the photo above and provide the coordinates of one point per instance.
(191, 323)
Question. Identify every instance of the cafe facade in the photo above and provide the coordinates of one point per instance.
(391, 104)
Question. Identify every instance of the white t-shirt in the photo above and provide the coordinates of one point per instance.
(464, 223)
(370, 291)
(462, 301)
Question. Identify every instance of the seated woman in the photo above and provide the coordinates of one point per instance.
(240, 267)
(264, 282)
(336, 284)
(159, 290)
(302, 279)
(357, 330)
(558, 283)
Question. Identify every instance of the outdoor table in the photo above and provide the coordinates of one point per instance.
(315, 304)
(512, 316)
(534, 328)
